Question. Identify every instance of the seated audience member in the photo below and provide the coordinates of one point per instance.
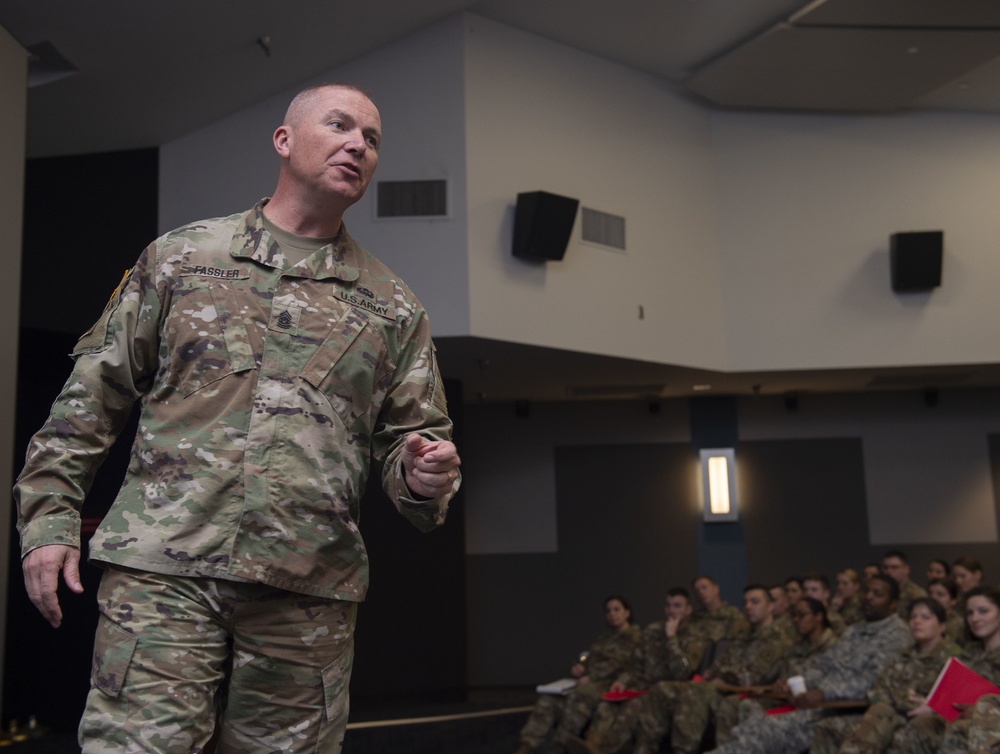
(813, 638)
(793, 589)
(978, 729)
(716, 620)
(605, 660)
(968, 574)
(847, 600)
(844, 672)
(667, 651)
(780, 611)
(895, 564)
(938, 569)
(945, 591)
(817, 586)
(750, 659)
(870, 570)
(898, 694)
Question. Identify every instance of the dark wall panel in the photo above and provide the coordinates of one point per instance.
(626, 524)
(803, 505)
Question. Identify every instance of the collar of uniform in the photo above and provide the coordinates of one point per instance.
(336, 260)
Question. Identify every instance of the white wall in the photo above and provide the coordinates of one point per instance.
(543, 116)
(417, 85)
(13, 95)
(808, 205)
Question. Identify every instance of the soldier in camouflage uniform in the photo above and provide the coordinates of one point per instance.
(896, 565)
(845, 671)
(978, 730)
(898, 691)
(945, 591)
(667, 651)
(817, 586)
(717, 620)
(847, 600)
(606, 659)
(780, 611)
(752, 661)
(273, 358)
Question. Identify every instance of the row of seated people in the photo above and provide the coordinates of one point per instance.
(692, 664)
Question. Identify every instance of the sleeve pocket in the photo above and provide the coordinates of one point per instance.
(113, 649)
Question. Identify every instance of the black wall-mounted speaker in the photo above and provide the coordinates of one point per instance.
(915, 260)
(543, 223)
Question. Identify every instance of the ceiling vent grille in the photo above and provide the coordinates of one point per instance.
(412, 199)
(604, 229)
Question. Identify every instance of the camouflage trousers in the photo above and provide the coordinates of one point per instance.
(871, 732)
(700, 706)
(789, 733)
(921, 735)
(567, 715)
(166, 645)
(977, 734)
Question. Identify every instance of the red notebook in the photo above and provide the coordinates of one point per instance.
(957, 684)
(621, 696)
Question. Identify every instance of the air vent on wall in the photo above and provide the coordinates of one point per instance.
(412, 199)
(602, 228)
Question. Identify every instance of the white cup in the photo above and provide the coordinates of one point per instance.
(796, 685)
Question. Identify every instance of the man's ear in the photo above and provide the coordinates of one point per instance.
(281, 139)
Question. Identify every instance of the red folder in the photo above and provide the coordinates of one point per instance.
(621, 696)
(957, 684)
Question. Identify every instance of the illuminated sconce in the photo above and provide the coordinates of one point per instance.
(718, 484)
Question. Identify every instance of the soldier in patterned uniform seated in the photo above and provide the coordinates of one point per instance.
(844, 672)
(899, 693)
(605, 661)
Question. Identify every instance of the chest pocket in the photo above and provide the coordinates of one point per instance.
(348, 367)
(206, 333)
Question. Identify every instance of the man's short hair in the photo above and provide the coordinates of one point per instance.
(696, 579)
(679, 591)
(892, 584)
(817, 576)
(758, 587)
(300, 102)
(896, 554)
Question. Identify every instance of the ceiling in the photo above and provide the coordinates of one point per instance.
(152, 71)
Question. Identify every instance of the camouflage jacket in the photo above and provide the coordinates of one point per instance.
(849, 668)
(727, 622)
(753, 659)
(850, 611)
(610, 653)
(264, 394)
(908, 591)
(659, 658)
(911, 670)
(802, 654)
(986, 662)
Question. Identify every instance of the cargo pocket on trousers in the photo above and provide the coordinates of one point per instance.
(336, 679)
(113, 649)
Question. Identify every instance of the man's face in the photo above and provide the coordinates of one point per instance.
(707, 591)
(779, 601)
(677, 607)
(816, 590)
(756, 606)
(331, 144)
(877, 603)
(895, 569)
